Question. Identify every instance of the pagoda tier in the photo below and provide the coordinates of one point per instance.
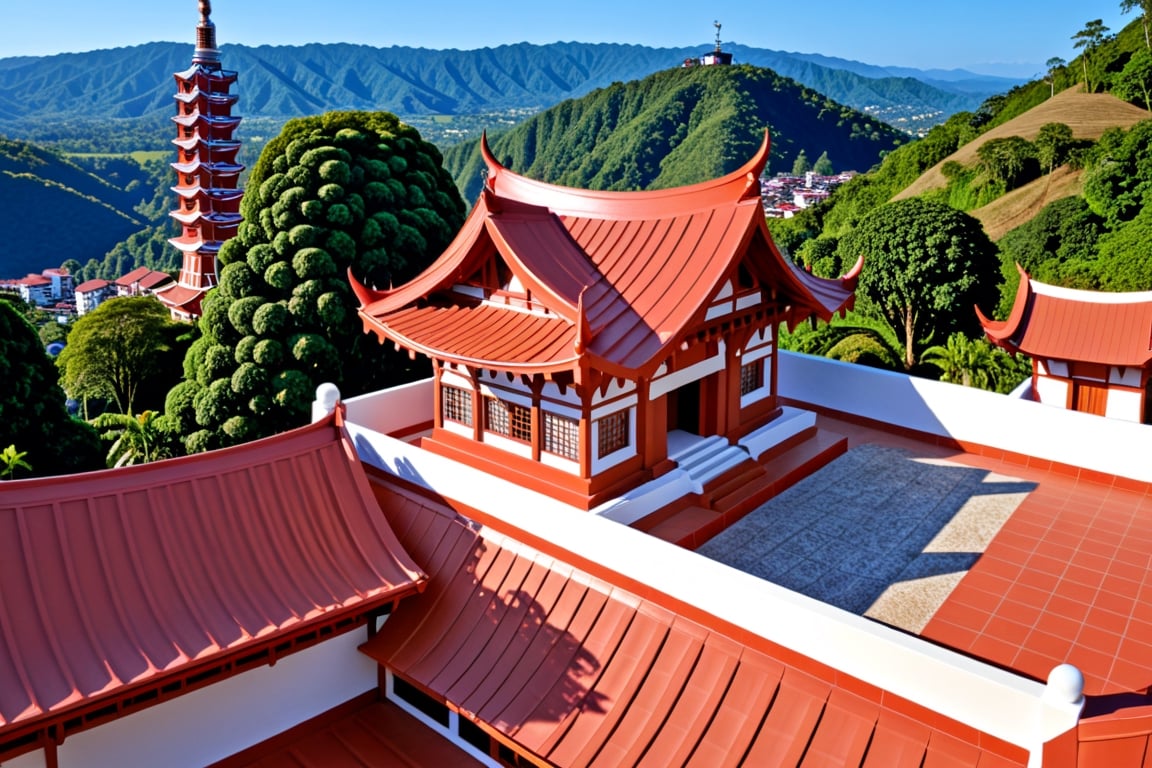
(572, 331)
(207, 174)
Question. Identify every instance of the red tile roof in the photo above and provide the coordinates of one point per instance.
(1065, 324)
(92, 285)
(133, 276)
(120, 579)
(574, 669)
(355, 735)
(177, 296)
(616, 278)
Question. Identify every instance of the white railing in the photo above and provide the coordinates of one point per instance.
(970, 415)
(1009, 707)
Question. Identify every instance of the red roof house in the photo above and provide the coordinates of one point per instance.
(572, 330)
(1091, 351)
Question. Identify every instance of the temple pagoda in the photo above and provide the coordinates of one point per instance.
(207, 174)
(1090, 349)
(572, 331)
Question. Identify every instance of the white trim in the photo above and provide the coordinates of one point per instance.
(616, 405)
(508, 444)
(552, 391)
(765, 388)
(1090, 297)
(700, 370)
(474, 291)
(549, 459)
(453, 379)
(614, 391)
(748, 300)
(1129, 376)
(456, 428)
(1124, 405)
(517, 396)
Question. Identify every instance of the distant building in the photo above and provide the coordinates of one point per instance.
(142, 281)
(207, 174)
(715, 57)
(91, 293)
(46, 289)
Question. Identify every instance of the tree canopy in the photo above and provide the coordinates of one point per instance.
(925, 266)
(33, 417)
(117, 349)
(343, 191)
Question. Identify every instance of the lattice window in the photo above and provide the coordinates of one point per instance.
(562, 436)
(508, 419)
(751, 377)
(456, 405)
(613, 433)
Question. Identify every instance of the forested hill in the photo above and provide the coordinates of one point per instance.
(56, 210)
(285, 81)
(678, 127)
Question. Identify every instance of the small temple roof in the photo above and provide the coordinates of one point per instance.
(615, 278)
(116, 581)
(581, 671)
(1057, 323)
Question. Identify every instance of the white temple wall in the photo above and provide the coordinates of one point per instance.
(1125, 377)
(221, 719)
(1125, 405)
(1052, 391)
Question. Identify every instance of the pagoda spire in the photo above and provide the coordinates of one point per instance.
(206, 51)
(207, 174)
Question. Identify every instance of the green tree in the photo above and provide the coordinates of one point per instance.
(925, 266)
(32, 404)
(115, 349)
(1145, 8)
(1090, 38)
(823, 166)
(1054, 65)
(52, 331)
(801, 165)
(1052, 144)
(343, 191)
(1118, 182)
(1134, 83)
(1010, 160)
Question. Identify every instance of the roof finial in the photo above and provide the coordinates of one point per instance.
(206, 51)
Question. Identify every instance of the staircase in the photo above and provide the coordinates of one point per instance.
(731, 484)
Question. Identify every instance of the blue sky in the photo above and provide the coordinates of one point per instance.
(993, 36)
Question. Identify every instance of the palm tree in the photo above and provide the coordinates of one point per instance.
(1089, 38)
(135, 439)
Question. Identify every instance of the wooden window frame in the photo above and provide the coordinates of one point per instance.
(455, 404)
(613, 433)
(560, 435)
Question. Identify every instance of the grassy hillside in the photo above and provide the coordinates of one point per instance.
(1087, 114)
(677, 127)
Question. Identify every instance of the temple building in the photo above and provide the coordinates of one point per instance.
(617, 526)
(207, 174)
(1090, 350)
(581, 338)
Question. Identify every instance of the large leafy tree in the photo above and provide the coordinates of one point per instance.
(342, 191)
(926, 265)
(1134, 83)
(34, 420)
(115, 351)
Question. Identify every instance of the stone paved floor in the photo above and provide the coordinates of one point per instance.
(881, 532)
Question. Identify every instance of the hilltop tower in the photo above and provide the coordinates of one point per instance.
(716, 57)
(207, 174)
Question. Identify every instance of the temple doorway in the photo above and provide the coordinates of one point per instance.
(684, 408)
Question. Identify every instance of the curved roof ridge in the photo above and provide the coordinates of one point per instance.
(733, 186)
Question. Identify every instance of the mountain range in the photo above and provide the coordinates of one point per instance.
(287, 81)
